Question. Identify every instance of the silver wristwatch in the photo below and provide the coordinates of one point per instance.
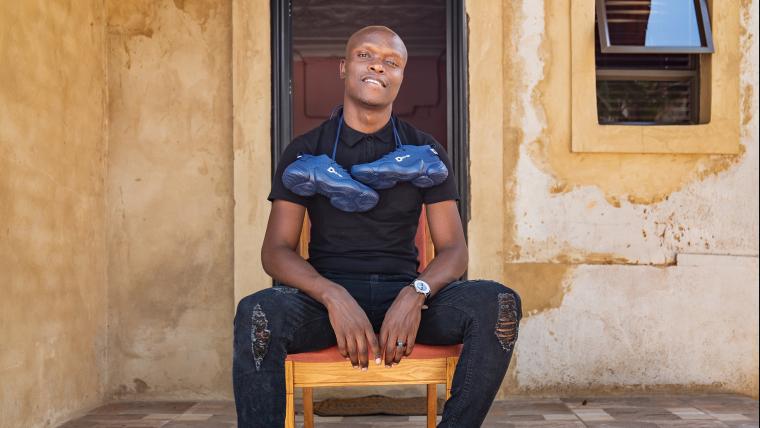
(421, 287)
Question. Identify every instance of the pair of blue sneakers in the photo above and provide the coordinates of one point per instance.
(310, 174)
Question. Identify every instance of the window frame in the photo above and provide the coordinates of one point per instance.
(703, 21)
(720, 86)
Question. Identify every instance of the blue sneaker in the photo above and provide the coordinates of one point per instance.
(418, 164)
(310, 174)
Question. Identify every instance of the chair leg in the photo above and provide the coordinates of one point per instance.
(308, 408)
(290, 410)
(432, 404)
(451, 364)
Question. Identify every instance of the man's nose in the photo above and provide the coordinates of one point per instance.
(377, 68)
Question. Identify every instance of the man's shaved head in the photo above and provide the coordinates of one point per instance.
(360, 34)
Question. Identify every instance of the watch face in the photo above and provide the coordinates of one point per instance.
(421, 286)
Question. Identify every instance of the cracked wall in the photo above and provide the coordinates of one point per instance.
(671, 329)
(621, 216)
(52, 239)
(169, 198)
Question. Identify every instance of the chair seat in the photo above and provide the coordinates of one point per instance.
(419, 352)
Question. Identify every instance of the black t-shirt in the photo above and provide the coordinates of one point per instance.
(380, 240)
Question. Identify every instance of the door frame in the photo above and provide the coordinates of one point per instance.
(457, 119)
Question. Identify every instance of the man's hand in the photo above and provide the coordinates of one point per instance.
(401, 323)
(353, 331)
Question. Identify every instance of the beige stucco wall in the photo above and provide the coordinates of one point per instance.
(596, 243)
(52, 239)
(252, 102)
(601, 246)
(169, 198)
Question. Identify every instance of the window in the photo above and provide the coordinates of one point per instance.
(647, 89)
(654, 26)
(647, 61)
(718, 84)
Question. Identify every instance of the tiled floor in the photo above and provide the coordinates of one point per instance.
(694, 411)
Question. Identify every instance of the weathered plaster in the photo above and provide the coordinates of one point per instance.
(647, 328)
(52, 241)
(541, 286)
(636, 208)
(169, 198)
(251, 76)
(570, 211)
(513, 130)
(641, 178)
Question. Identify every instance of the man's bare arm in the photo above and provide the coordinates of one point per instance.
(451, 258)
(280, 259)
(353, 331)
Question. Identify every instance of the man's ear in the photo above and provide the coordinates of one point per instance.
(342, 69)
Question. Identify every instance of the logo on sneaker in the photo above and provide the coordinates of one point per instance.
(400, 158)
(333, 171)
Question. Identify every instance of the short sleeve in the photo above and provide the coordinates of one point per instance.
(279, 191)
(448, 189)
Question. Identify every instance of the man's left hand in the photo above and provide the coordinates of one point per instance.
(401, 323)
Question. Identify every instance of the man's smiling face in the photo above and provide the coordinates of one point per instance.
(374, 66)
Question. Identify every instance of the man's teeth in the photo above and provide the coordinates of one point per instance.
(373, 81)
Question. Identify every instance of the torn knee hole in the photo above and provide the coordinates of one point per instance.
(507, 322)
(259, 335)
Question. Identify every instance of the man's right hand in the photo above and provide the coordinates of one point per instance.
(353, 331)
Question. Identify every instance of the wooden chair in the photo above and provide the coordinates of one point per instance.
(430, 365)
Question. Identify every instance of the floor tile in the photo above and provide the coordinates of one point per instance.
(560, 417)
(633, 411)
(622, 424)
(734, 424)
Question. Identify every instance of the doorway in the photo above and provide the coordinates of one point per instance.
(308, 41)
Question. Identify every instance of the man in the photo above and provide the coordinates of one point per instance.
(355, 283)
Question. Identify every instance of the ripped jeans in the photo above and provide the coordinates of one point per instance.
(269, 324)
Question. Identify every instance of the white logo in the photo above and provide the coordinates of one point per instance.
(333, 171)
(400, 158)
(433, 150)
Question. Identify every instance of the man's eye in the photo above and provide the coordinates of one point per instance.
(393, 63)
(363, 54)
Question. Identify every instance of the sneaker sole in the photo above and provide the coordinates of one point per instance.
(299, 182)
(345, 198)
(436, 174)
(348, 199)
